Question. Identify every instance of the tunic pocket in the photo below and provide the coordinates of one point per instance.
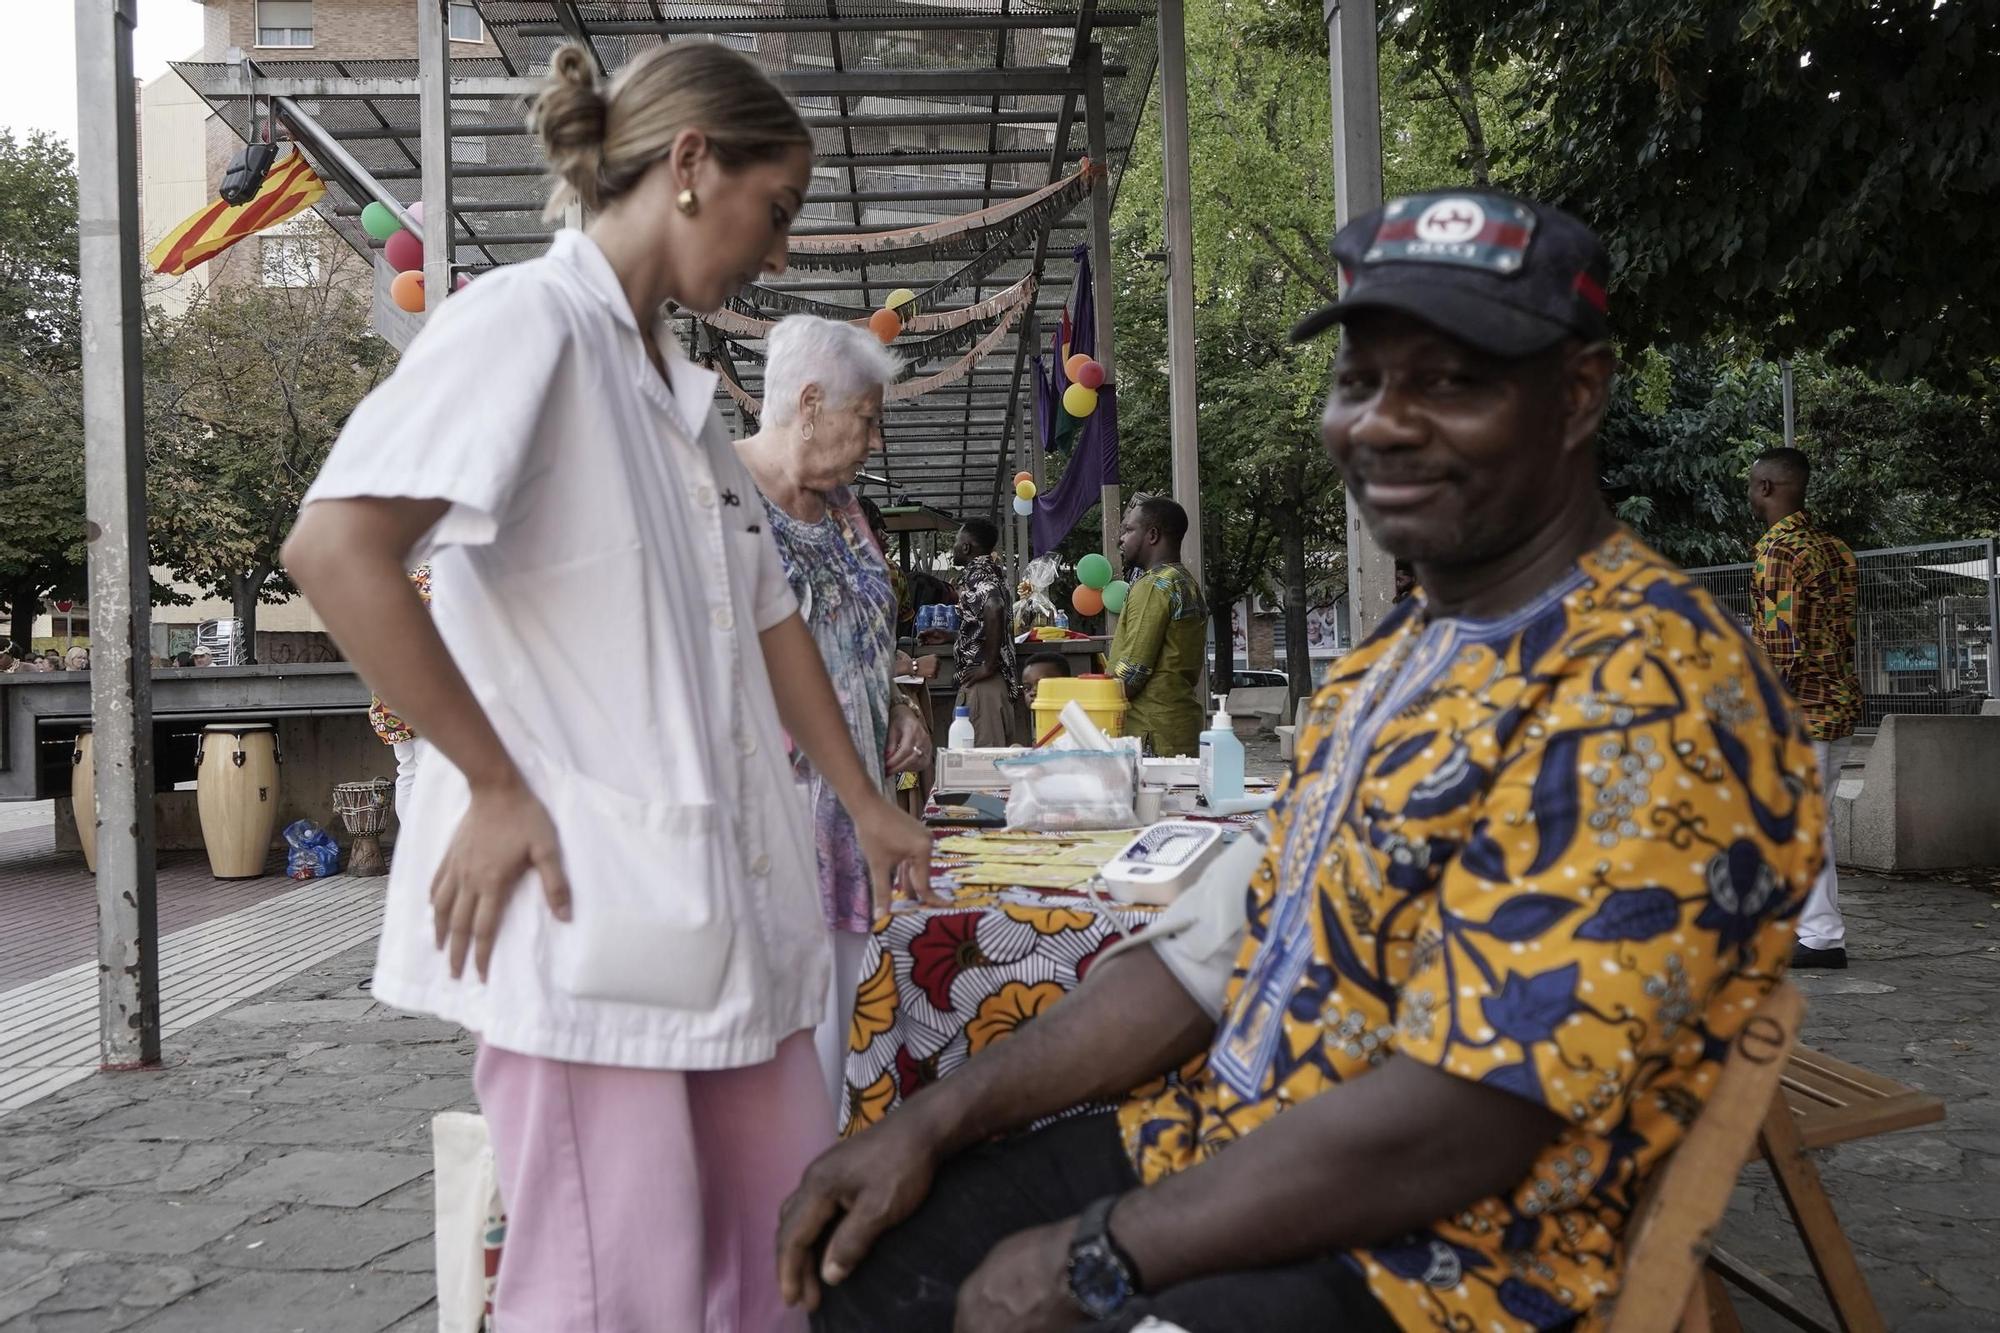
(647, 922)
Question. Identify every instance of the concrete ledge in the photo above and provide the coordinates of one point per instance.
(1928, 797)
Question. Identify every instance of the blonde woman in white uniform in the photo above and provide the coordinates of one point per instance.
(645, 1008)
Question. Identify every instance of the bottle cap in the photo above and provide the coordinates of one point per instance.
(961, 711)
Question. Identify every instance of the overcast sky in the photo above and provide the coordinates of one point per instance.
(38, 69)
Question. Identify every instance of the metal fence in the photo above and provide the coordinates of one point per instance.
(1929, 633)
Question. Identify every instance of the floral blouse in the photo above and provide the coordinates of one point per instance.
(843, 589)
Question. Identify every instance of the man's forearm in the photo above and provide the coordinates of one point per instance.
(1359, 1164)
(1131, 1022)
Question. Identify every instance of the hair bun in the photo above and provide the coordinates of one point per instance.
(569, 116)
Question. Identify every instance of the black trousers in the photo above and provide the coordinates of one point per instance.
(909, 1282)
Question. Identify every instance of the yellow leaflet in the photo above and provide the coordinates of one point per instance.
(1026, 876)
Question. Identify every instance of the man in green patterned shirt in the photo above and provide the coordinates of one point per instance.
(1162, 632)
(1804, 587)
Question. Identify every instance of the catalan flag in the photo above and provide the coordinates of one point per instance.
(292, 185)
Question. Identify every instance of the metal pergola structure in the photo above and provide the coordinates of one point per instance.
(919, 112)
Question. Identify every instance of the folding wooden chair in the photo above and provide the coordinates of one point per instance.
(1667, 1287)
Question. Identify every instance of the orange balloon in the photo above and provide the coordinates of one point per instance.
(1020, 477)
(1073, 366)
(407, 291)
(1087, 601)
(886, 324)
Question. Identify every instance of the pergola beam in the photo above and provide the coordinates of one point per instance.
(914, 83)
(901, 21)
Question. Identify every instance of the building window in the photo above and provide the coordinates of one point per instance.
(465, 24)
(284, 23)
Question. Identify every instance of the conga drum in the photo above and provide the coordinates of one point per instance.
(236, 792)
(83, 797)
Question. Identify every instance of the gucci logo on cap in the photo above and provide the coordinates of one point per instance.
(1451, 222)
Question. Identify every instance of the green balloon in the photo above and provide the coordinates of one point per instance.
(1093, 571)
(1114, 595)
(378, 221)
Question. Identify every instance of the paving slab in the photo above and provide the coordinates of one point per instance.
(322, 1239)
(169, 1167)
(309, 1302)
(335, 1179)
(121, 1225)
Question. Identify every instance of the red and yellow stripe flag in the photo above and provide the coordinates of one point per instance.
(292, 185)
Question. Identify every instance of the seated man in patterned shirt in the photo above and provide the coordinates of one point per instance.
(1535, 867)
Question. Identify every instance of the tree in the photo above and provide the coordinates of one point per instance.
(41, 419)
(247, 391)
(1806, 175)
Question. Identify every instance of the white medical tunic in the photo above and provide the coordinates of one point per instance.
(601, 578)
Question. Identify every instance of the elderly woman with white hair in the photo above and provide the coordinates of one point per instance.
(823, 384)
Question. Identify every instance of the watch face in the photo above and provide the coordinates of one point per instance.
(1098, 1281)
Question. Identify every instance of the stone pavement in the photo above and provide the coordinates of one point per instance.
(275, 1176)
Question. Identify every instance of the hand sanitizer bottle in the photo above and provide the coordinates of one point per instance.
(960, 735)
(1221, 758)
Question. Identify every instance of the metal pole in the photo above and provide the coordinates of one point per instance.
(121, 681)
(1785, 378)
(1101, 286)
(1992, 623)
(434, 110)
(1180, 276)
(1357, 173)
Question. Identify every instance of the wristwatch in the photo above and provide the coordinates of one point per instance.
(1102, 1277)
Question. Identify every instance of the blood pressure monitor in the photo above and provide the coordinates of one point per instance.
(1164, 860)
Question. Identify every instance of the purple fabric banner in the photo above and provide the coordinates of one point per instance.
(1092, 466)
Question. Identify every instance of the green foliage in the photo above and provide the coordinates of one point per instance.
(41, 400)
(1812, 176)
(246, 392)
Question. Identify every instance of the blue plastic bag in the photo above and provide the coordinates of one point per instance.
(313, 853)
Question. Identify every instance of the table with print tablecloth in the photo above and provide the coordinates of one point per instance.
(940, 984)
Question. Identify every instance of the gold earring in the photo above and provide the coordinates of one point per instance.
(687, 203)
(807, 433)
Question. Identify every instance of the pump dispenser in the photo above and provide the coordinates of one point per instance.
(1221, 758)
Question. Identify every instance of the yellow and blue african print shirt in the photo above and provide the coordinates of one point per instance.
(1557, 853)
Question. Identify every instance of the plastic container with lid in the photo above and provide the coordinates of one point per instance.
(1101, 697)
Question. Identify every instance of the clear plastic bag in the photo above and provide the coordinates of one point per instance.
(1065, 791)
(311, 852)
(1034, 608)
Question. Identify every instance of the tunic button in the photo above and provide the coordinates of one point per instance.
(705, 497)
(724, 620)
(747, 744)
(761, 866)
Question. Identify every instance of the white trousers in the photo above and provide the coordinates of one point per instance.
(849, 948)
(1820, 925)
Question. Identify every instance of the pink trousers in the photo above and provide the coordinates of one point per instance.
(646, 1201)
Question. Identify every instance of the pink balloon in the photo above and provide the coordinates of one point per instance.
(417, 212)
(1090, 375)
(404, 252)
(463, 281)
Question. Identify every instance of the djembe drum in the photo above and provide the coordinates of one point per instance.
(83, 797)
(236, 794)
(364, 809)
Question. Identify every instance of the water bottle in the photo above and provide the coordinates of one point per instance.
(960, 735)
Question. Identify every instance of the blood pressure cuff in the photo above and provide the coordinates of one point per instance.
(1199, 936)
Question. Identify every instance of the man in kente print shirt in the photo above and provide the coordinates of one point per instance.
(1535, 867)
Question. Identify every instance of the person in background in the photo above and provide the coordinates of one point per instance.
(1045, 665)
(9, 662)
(395, 733)
(899, 582)
(1406, 581)
(183, 658)
(77, 659)
(1156, 653)
(1514, 910)
(201, 657)
(984, 654)
(53, 658)
(823, 383)
(611, 839)
(1804, 589)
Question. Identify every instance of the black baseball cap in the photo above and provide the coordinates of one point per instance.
(1510, 276)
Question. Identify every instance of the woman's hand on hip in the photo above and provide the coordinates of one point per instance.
(506, 832)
